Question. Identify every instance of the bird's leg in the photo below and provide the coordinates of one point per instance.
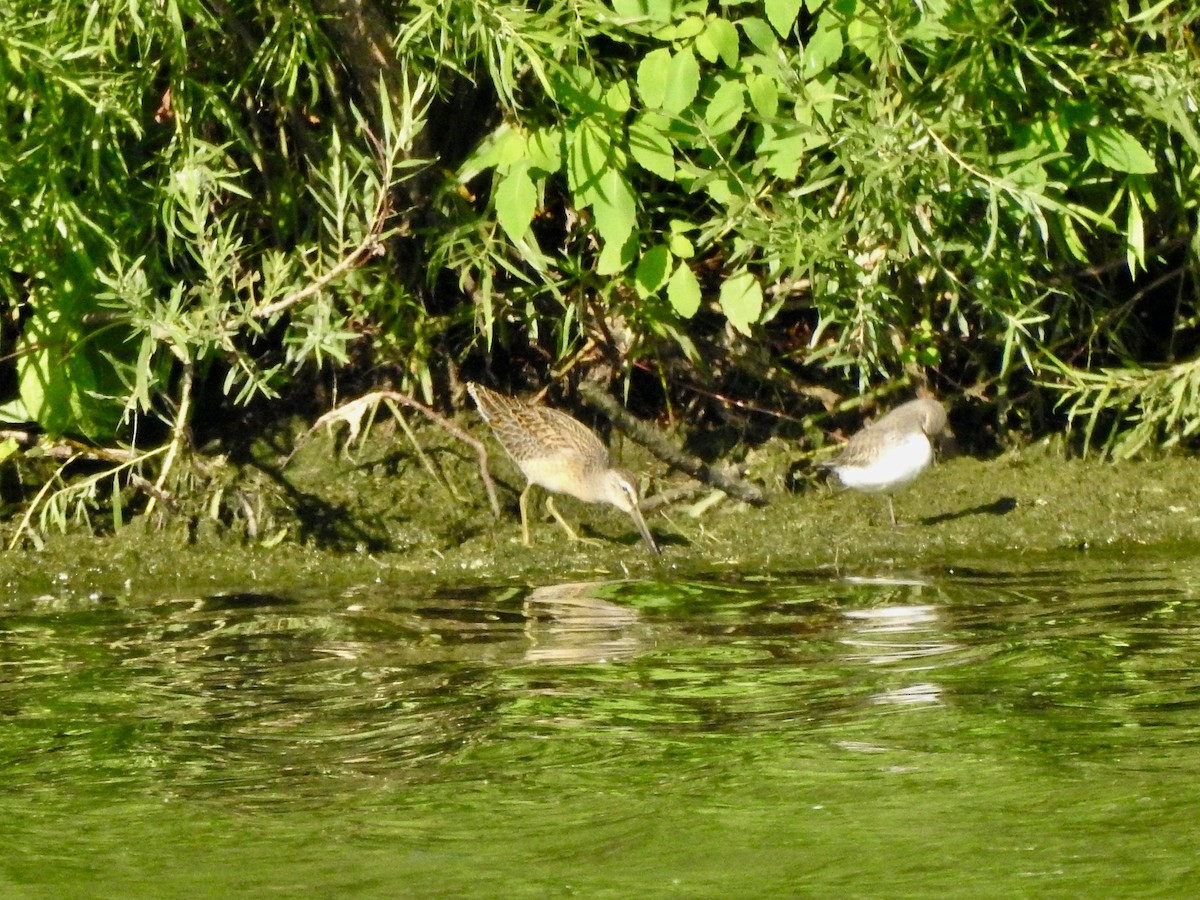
(891, 510)
(524, 513)
(567, 528)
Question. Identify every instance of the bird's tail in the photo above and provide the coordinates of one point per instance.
(489, 403)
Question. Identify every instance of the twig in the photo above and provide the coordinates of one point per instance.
(178, 434)
(357, 407)
(597, 398)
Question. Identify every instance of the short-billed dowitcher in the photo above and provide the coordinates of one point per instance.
(892, 451)
(560, 454)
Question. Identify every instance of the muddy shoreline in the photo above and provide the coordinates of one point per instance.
(334, 517)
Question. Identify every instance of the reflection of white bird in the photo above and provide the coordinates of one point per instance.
(561, 454)
(565, 624)
(892, 451)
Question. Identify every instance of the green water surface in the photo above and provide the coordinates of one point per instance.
(941, 732)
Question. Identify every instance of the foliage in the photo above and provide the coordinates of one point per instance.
(915, 184)
(752, 196)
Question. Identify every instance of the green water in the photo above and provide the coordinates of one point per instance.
(932, 733)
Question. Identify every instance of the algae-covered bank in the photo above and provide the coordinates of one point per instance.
(386, 511)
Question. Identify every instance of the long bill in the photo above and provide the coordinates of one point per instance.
(636, 515)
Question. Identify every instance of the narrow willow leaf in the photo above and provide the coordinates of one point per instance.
(741, 300)
(652, 270)
(1119, 150)
(782, 14)
(515, 199)
(683, 291)
(1135, 237)
(651, 149)
(118, 510)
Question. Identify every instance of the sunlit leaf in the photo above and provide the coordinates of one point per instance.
(652, 270)
(719, 40)
(652, 75)
(589, 154)
(516, 200)
(616, 258)
(726, 108)
(782, 14)
(760, 34)
(764, 94)
(545, 149)
(741, 300)
(824, 49)
(651, 149)
(1135, 237)
(615, 207)
(1118, 149)
(683, 82)
(683, 291)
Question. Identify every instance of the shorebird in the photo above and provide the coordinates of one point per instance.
(892, 451)
(560, 454)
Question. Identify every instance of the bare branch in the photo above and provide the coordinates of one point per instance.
(352, 414)
(596, 397)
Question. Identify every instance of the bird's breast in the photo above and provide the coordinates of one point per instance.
(892, 467)
(563, 475)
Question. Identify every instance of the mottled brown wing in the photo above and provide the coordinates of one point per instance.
(862, 448)
(536, 431)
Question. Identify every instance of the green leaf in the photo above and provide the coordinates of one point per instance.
(578, 89)
(615, 207)
(782, 14)
(1135, 237)
(681, 31)
(683, 291)
(823, 50)
(516, 199)
(1119, 150)
(615, 258)
(655, 10)
(681, 246)
(651, 149)
(545, 150)
(764, 94)
(719, 39)
(760, 35)
(782, 153)
(652, 77)
(590, 153)
(651, 272)
(619, 98)
(14, 412)
(7, 448)
(683, 81)
(742, 300)
(726, 108)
